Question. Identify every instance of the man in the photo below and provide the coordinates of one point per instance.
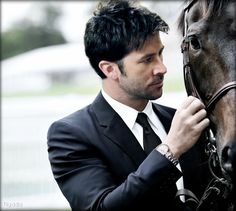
(97, 153)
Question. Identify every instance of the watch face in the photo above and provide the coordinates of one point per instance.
(163, 148)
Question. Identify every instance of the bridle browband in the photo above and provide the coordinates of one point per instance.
(218, 185)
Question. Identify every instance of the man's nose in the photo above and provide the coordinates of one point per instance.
(159, 67)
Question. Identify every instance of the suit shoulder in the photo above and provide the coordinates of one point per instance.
(163, 108)
(75, 118)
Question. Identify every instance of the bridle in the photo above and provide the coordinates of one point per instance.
(187, 70)
(219, 185)
(188, 76)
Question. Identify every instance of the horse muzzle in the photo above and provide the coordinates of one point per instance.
(228, 159)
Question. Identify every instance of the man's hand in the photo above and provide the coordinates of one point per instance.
(187, 125)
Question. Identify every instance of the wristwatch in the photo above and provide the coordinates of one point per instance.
(165, 150)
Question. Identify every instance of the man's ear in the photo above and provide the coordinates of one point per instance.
(110, 69)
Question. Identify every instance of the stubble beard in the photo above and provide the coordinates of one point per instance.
(140, 93)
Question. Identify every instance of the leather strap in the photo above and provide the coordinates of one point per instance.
(189, 195)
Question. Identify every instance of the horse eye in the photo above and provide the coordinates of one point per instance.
(195, 43)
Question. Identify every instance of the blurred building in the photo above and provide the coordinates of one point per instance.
(38, 69)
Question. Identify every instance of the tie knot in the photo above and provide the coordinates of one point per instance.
(142, 120)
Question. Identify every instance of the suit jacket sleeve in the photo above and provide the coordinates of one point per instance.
(81, 159)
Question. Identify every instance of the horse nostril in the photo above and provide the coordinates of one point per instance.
(227, 159)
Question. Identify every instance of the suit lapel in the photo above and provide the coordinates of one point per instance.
(121, 135)
(116, 130)
(164, 116)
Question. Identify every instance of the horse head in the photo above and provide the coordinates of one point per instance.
(209, 49)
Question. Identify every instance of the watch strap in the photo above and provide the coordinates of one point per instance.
(169, 155)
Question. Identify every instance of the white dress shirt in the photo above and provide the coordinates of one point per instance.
(129, 116)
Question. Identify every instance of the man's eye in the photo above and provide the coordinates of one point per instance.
(148, 60)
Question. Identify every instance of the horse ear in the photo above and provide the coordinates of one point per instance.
(233, 26)
(231, 11)
(181, 23)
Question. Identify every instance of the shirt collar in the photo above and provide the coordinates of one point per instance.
(150, 113)
(128, 114)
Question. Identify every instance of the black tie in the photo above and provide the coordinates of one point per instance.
(150, 138)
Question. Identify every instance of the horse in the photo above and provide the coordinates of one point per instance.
(208, 28)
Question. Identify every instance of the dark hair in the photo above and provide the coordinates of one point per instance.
(118, 28)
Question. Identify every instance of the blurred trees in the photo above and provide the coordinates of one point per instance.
(28, 34)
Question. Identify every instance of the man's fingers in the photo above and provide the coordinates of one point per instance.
(203, 124)
(187, 102)
(200, 115)
(195, 106)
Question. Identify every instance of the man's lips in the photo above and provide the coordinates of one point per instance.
(157, 83)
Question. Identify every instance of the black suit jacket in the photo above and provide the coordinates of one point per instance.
(99, 165)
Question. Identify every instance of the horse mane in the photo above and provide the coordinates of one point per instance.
(214, 6)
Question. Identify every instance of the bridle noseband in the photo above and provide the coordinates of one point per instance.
(218, 183)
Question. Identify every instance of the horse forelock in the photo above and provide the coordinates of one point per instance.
(207, 7)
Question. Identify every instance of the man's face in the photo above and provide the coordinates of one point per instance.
(144, 71)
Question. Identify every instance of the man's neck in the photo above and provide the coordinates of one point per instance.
(119, 95)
